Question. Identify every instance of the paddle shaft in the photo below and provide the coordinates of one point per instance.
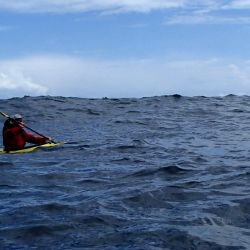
(7, 116)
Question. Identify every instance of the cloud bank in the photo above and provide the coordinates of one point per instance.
(238, 4)
(65, 6)
(205, 19)
(13, 82)
(88, 5)
(185, 11)
(72, 76)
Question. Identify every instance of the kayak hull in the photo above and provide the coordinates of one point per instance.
(31, 148)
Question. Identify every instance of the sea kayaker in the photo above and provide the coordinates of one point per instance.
(15, 137)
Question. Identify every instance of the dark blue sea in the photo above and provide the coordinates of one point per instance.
(167, 172)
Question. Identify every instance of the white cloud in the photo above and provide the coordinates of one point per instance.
(186, 11)
(206, 19)
(14, 82)
(238, 4)
(64, 6)
(88, 5)
(210, 12)
(71, 76)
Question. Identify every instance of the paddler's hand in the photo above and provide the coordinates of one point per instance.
(48, 140)
(21, 124)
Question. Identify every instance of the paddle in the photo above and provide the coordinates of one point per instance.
(8, 117)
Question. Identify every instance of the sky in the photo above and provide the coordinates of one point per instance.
(124, 48)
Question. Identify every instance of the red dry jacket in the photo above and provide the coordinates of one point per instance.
(15, 137)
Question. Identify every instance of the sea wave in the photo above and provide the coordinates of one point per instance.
(167, 172)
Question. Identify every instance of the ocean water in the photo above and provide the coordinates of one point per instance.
(165, 172)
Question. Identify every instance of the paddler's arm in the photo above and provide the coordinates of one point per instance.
(34, 139)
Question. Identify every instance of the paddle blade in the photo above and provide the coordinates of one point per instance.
(5, 115)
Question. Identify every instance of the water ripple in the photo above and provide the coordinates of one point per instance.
(168, 172)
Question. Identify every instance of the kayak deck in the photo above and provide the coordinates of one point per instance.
(31, 148)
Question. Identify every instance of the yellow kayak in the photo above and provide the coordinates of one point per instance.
(31, 148)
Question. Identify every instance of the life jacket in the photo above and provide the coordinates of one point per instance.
(13, 138)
